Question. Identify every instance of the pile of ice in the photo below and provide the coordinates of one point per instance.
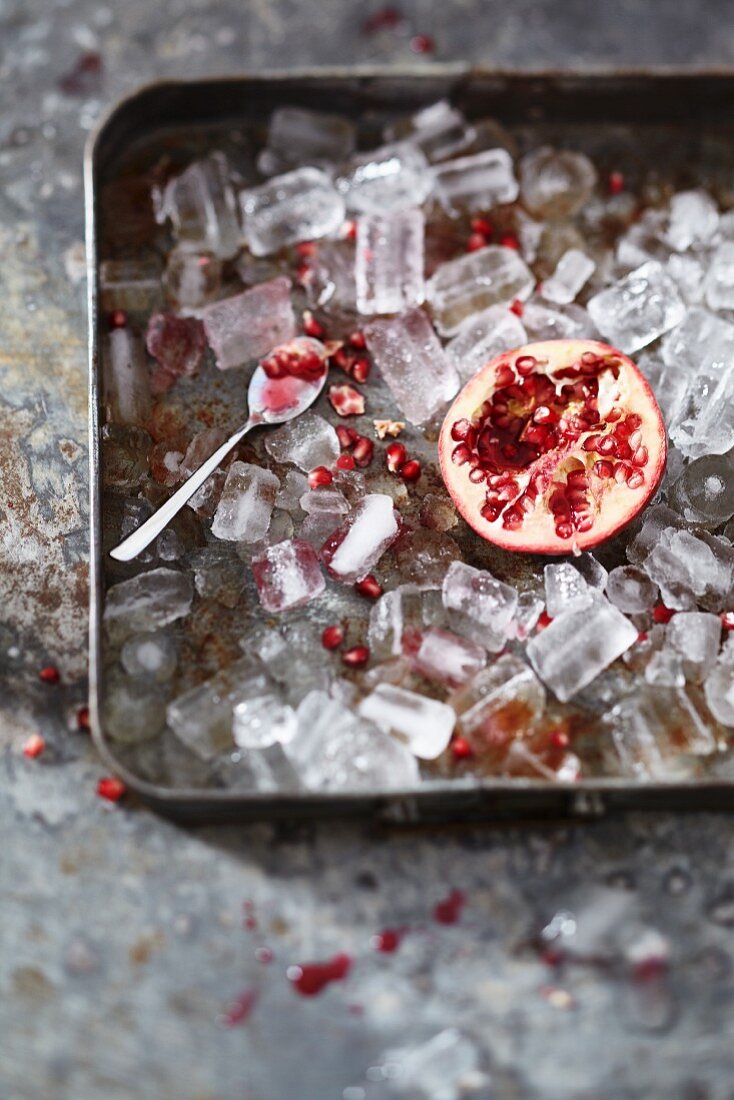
(443, 250)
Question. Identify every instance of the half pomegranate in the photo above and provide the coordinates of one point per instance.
(553, 447)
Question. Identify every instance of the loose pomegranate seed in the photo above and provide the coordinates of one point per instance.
(369, 587)
(411, 471)
(483, 226)
(358, 340)
(461, 749)
(311, 326)
(642, 637)
(347, 436)
(356, 657)
(395, 457)
(111, 788)
(363, 451)
(361, 369)
(559, 739)
(304, 274)
(509, 240)
(348, 231)
(345, 462)
(727, 620)
(346, 401)
(517, 308)
(50, 674)
(422, 43)
(320, 477)
(662, 614)
(306, 248)
(615, 183)
(449, 909)
(34, 746)
(544, 620)
(475, 241)
(118, 319)
(82, 719)
(332, 637)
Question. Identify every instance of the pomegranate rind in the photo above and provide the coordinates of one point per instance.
(618, 504)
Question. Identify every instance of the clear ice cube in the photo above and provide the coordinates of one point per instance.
(302, 205)
(263, 720)
(298, 137)
(443, 1068)
(718, 689)
(482, 337)
(389, 261)
(246, 504)
(631, 590)
(477, 182)
(446, 657)
(507, 689)
(192, 278)
(133, 709)
(147, 602)
(391, 615)
(571, 322)
(392, 177)
(330, 281)
(573, 271)
(556, 183)
(704, 491)
(287, 575)
(639, 308)
(356, 547)
(317, 501)
(491, 276)
(439, 131)
(218, 574)
(200, 204)
(688, 272)
(652, 728)
(565, 589)
(306, 442)
(690, 568)
(126, 379)
(202, 716)
(703, 420)
(486, 605)
(695, 636)
(424, 724)
(412, 362)
(693, 220)
(292, 488)
(247, 326)
(152, 655)
(133, 285)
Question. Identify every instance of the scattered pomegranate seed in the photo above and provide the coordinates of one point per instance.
(422, 43)
(358, 340)
(411, 471)
(363, 451)
(320, 477)
(303, 274)
(448, 911)
(388, 940)
(111, 788)
(345, 462)
(544, 620)
(509, 240)
(349, 231)
(727, 620)
(310, 978)
(356, 657)
(369, 587)
(559, 739)
(395, 457)
(118, 319)
(475, 241)
(662, 614)
(346, 401)
(50, 675)
(517, 308)
(483, 226)
(306, 248)
(34, 746)
(311, 326)
(615, 183)
(361, 369)
(347, 436)
(82, 719)
(642, 637)
(461, 748)
(332, 637)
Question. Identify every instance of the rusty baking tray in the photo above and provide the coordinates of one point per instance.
(682, 124)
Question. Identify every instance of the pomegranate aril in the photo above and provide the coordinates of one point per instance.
(525, 365)
(615, 183)
(111, 788)
(727, 620)
(311, 326)
(635, 478)
(357, 340)
(461, 749)
(461, 454)
(483, 226)
(345, 461)
(475, 241)
(361, 369)
(369, 587)
(517, 307)
(477, 475)
(460, 430)
(564, 530)
(603, 469)
(34, 746)
(82, 719)
(356, 657)
(347, 436)
(395, 456)
(319, 477)
(640, 457)
(607, 445)
(633, 421)
(332, 637)
(50, 675)
(662, 614)
(411, 471)
(363, 451)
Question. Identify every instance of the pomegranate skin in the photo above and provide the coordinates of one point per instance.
(554, 494)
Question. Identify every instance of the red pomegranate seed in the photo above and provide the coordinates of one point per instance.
(303, 273)
(517, 308)
(448, 911)
(332, 637)
(544, 620)
(358, 340)
(483, 226)
(311, 326)
(320, 477)
(509, 240)
(727, 620)
(461, 748)
(411, 471)
(34, 746)
(118, 319)
(363, 451)
(306, 248)
(82, 719)
(422, 43)
(559, 739)
(356, 657)
(345, 462)
(361, 369)
(369, 587)
(388, 940)
(615, 183)
(475, 241)
(347, 436)
(310, 978)
(395, 457)
(50, 674)
(111, 788)
(346, 401)
(662, 614)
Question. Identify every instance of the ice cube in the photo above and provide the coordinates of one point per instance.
(126, 379)
(202, 716)
(669, 384)
(446, 1067)
(302, 205)
(477, 182)
(591, 570)
(695, 635)
(639, 308)
(392, 177)
(298, 136)
(569, 322)
(703, 420)
(556, 183)
(665, 667)
(292, 488)
(392, 614)
(335, 749)
(688, 273)
(644, 241)
(491, 276)
(246, 504)
(319, 526)
(529, 609)
(357, 546)
(439, 131)
(578, 645)
(501, 702)
(247, 326)
(651, 729)
(718, 688)
(704, 491)
(655, 520)
(389, 261)
(192, 278)
(177, 343)
(317, 501)
(573, 271)
(287, 575)
(261, 721)
(330, 279)
(424, 724)
(306, 442)
(446, 657)
(133, 709)
(201, 206)
(631, 590)
(486, 603)
(483, 336)
(412, 362)
(565, 589)
(689, 568)
(218, 574)
(693, 220)
(152, 656)
(147, 602)
(133, 285)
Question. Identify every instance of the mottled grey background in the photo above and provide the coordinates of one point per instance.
(121, 937)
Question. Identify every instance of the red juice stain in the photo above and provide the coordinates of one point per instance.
(448, 911)
(388, 940)
(240, 1009)
(310, 978)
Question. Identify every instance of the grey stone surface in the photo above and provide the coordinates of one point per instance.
(123, 938)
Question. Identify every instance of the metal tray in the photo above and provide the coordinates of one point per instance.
(682, 123)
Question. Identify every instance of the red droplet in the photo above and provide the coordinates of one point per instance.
(388, 940)
(50, 674)
(615, 183)
(422, 43)
(662, 614)
(332, 637)
(448, 911)
(461, 748)
(240, 1008)
(34, 746)
(82, 719)
(309, 979)
(111, 788)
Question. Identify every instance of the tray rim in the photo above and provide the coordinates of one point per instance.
(459, 799)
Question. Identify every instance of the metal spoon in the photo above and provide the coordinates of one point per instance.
(270, 401)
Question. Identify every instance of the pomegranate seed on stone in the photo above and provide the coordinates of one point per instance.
(111, 788)
(422, 43)
(118, 319)
(363, 451)
(356, 657)
(361, 369)
(319, 477)
(347, 436)
(358, 340)
(345, 462)
(311, 326)
(306, 248)
(34, 746)
(615, 183)
(411, 471)
(50, 674)
(662, 614)
(483, 226)
(509, 240)
(544, 620)
(475, 241)
(727, 620)
(395, 457)
(517, 308)
(82, 719)
(346, 401)
(332, 637)
(461, 749)
(369, 587)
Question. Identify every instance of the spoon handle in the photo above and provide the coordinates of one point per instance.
(135, 543)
